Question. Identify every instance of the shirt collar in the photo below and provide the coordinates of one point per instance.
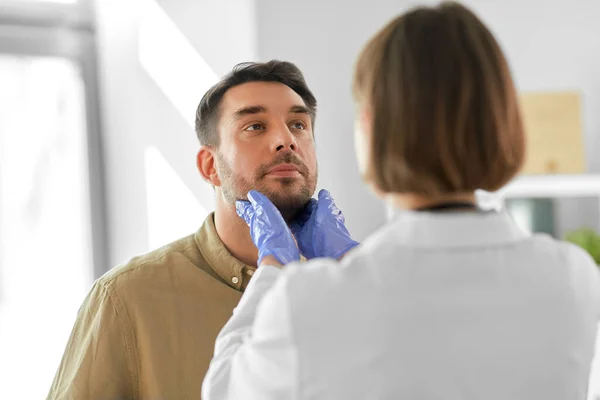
(453, 229)
(235, 273)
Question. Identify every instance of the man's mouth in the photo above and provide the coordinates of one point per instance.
(284, 171)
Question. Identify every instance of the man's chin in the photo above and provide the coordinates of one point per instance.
(289, 203)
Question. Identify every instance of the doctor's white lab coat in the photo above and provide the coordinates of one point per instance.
(433, 306)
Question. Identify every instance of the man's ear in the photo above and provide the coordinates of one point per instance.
(205, 161)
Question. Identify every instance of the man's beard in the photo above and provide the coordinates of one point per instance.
(290, 198)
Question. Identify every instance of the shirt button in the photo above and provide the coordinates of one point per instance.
(250, 272)
(235, 280)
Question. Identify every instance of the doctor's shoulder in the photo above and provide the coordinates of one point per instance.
(323, 279)
(583, 267)
(572, 264)
(566, 254)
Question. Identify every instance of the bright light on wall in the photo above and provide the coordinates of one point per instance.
(173, 210)
(171, 61)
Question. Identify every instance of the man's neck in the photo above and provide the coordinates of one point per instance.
(235, 234)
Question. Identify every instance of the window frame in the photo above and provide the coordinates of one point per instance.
(67, 31)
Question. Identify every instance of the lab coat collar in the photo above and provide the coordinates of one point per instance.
(453, 229)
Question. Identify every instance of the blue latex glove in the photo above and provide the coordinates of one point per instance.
(320, 229)
(269, 231)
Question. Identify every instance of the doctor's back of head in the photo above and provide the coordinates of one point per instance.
(438, 110)
(447, 300)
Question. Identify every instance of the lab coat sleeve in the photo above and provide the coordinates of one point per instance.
(255, 357)
(594, 381)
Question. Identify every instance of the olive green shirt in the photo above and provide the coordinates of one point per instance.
(147, 329)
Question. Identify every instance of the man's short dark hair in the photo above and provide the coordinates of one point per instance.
(208, 113)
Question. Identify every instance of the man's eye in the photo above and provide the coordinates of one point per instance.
(255, 127)
(299, 125)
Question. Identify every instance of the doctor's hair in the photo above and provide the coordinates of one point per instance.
(444, 114)
(208, 112)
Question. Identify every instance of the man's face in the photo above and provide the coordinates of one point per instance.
(266, 144)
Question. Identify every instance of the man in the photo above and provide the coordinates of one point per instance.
(147, 328)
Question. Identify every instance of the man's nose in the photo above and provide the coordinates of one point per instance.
(284, 139)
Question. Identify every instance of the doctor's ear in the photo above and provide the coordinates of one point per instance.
(366, 120)
(206, 164)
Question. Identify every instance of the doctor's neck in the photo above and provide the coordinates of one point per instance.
(413, 201)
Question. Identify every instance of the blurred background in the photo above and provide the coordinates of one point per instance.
(97, 147)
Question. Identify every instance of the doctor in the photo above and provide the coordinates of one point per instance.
(446, 301)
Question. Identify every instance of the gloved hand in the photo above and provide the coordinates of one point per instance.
(320, 229)
(269, 231)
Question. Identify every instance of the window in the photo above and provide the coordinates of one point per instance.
(51, 208)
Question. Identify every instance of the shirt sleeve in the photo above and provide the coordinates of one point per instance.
(96, 363)
(255, 357)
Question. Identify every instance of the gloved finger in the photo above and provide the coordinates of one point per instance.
(340, 253)
(244, 210)
(327, 208)
(309, 208)
(265, 211)
(304, 216)
(258, 199)
(297, 225)
(325, 199)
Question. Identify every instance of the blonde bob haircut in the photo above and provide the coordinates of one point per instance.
(444, 110)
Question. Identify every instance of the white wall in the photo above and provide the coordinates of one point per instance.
(148, 105)
(551, 45)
